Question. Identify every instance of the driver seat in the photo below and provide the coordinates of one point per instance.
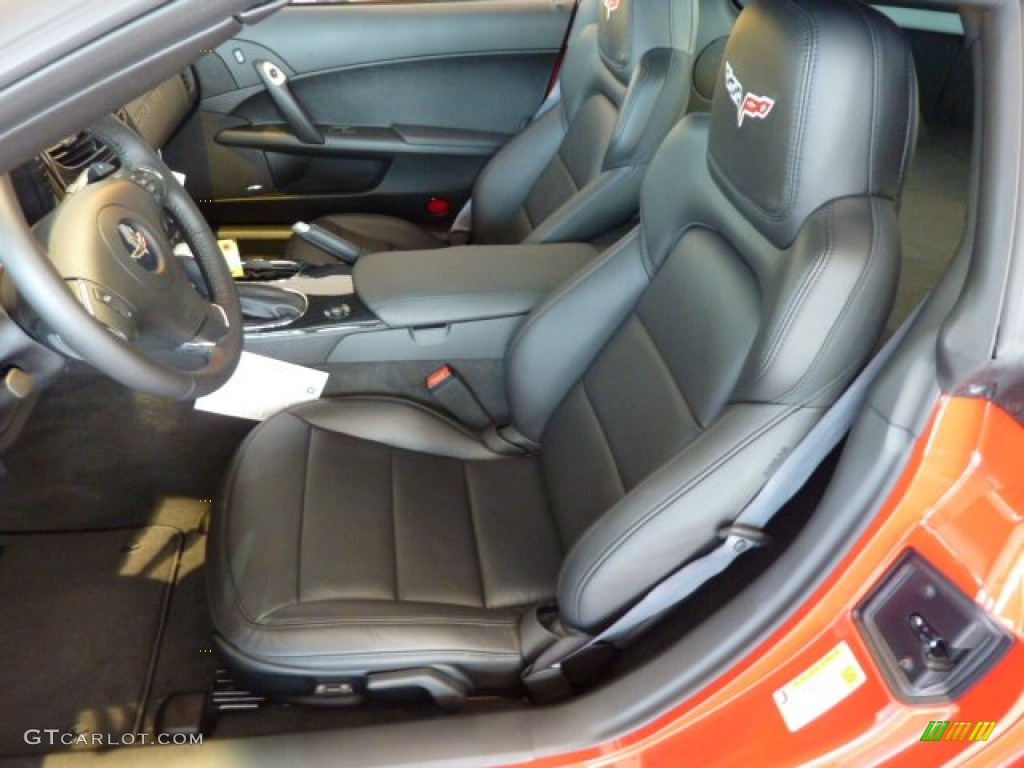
(370, 543)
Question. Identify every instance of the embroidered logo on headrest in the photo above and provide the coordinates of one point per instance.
(610, 7)
(749, 104)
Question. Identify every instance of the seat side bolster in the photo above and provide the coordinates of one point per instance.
(561, 338)
(397, 423)
(676, 513)
(603, 204)
(655, 101)
(505, 182)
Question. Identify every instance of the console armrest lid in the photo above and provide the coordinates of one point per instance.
(476, 282)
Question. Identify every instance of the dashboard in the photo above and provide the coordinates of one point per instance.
(42, 182)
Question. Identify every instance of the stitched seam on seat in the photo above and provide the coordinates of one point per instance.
(394, 526)
(476, 537)
(364, 621)
(810, 70)
(796, 304)
(474, 296)
(588, 271)
(857, 289)
(577, 186)
(296, 411)
(384, 621)
(632, 96)
(603, 433)
(908, 129)
(525, 211)
(302, 516)
(623, 539)
(876, 75)
(606, 184)
(452, 653)
(222, 550)
(660, 358)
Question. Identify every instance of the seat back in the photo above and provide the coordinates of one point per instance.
(668, 378)
(575, 172)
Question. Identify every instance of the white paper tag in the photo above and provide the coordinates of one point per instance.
(183, 251)
(329, 285)
(262, 386)
(232, 256)
(815, 691)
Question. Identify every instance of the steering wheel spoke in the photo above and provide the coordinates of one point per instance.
(214, 329)
(149, 180)
(107, 308)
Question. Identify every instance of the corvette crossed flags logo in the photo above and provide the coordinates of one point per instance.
(747, 104)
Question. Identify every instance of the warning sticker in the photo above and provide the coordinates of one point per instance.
(814, 692)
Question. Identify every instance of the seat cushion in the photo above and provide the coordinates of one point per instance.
(365, 534)
(370, 232)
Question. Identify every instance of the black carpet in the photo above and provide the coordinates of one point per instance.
(80, 618)
(96, 455)
(932, 215)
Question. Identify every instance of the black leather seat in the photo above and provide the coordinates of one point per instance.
(574, 173)
(659, 385)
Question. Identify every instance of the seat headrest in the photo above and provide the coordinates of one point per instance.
(627, 29)
(816, 100)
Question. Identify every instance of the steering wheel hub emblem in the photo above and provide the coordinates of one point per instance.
(139, 247)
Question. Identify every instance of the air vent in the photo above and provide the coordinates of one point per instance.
(66, 161)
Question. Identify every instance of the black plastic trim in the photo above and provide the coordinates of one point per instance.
(969, 641)
(367, 140)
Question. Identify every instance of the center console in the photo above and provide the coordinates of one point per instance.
(459, 303)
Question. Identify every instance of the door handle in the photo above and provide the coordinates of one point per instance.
(276, 82)
(260, 11)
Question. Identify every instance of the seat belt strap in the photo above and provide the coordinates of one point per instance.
(745, 532)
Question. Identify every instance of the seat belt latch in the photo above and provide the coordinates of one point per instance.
(452, 392)
(744, 537)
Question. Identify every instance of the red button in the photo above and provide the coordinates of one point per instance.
(439, 377)
(438, 206)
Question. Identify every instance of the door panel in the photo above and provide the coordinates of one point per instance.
(410, 100)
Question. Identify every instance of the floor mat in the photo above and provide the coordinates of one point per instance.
(95, 455)
(80, 618)
(932, 215)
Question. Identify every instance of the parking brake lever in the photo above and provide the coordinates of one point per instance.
(293, 112)
(325, 240)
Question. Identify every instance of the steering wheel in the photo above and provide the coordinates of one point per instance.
(112, 291)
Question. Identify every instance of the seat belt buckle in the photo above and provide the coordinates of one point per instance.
(744, 537)
(456, 396)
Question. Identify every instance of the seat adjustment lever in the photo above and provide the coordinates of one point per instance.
(447, 691)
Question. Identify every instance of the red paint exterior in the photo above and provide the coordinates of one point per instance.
(960, 504)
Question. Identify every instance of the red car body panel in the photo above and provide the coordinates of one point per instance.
(960, 504)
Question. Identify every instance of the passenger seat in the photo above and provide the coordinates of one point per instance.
(574, 172)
